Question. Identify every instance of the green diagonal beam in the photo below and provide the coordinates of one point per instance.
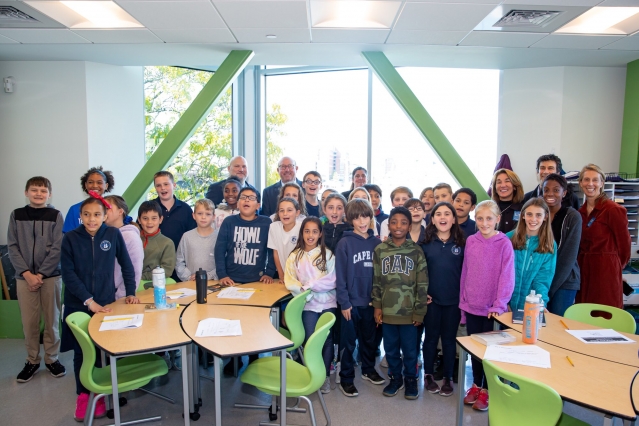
(416, 112)
(227, 72)
(629, 159)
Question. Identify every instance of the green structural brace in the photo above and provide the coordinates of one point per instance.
(227, 72)
(629, 158)
(407, 100)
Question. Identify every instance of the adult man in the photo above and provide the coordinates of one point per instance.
(547, 164)
(287, 169)
(237, 168)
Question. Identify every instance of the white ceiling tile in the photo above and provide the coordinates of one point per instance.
(619, 3)
(6, 40)
(554, 2)
(37, 35)
(441, 17)
(284, 35)
(573, 41)
(263, 14)
(626, 43)
(196, 35)
(174, 14)
(136, 36)
(334, 35)
(449, 38)
(501, 39)
(457, 1)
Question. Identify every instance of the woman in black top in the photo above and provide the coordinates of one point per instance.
(508, 193)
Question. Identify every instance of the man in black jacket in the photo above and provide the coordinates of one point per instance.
(237, 168)
(287, 169)
(547, 164)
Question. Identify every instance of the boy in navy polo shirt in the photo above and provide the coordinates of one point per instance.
(464, 201)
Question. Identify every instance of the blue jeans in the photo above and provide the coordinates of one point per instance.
(361, 327)
(441, 321)
(402, 337)
(561, 300)
(309, 319)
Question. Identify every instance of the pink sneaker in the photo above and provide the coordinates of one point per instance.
(81, 407)
(100, 408)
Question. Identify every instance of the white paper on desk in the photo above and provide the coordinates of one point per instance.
(218, 327)
(600, 336)
(530, 355)
(242, 293)
(120, 322)
(180, 292)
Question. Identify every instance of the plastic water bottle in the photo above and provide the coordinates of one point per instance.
(159, 288)
(201, 279)
(531, 318)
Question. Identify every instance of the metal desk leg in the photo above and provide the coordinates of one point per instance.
(275, 317)
(218, 396)
(114, 383)
(629, 423)
(107, 399)
(461, 386)
(608, 420)
(185, 385)
(283, 387)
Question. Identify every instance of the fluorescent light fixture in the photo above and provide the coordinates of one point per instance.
(604, 20)
(353, 14)
(87, 14)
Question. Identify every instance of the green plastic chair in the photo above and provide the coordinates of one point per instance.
(621, 320)
(143, 282)
(532, 404)
(301, 380)
(133, 372)
(295, 327)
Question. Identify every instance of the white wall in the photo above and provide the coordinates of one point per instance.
(573, 112)
(63, 118)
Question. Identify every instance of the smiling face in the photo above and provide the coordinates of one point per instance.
(96, 182)
(443, 195)
(150, 221)
(93, 215)
(248, 205)
(287, 169)
(291, 192)
(429, 200)
(164, 187)
(534, 217)
(359, 194)
(312, 185)
(360, 178)
(591, 184)
(334, 211)
(443, 219)
(417, 213)
(361, 225)
(38, 196)
(398, 227)
(311, 235)
(504, 187)
(546, 168)
(463, 205)
(400, 198)
(376, 199)
(287, 213)
(553, 193)
(486, 222)
(203, 217)
(238, 168)
(231, 192)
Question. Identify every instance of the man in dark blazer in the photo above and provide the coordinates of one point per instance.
(236, 168)
(547, 164)
(287, 169)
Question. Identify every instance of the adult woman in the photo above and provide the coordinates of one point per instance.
(508, 193)
(95, 179)
(605, 242)
(359, 178)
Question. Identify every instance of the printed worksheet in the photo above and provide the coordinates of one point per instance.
(218, 327)
(120, 322)
(180, 292)
(242, 293)
(600, 336)
(530, 355)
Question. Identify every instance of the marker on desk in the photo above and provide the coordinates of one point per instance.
(118, 319)
(564, 324)
(569, 360)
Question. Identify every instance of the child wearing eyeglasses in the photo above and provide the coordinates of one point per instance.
(312, 184)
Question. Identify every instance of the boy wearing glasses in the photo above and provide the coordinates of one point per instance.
(312, 184)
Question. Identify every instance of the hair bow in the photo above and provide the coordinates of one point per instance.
(99, 197)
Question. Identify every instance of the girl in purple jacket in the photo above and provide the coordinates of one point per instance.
(487, 283)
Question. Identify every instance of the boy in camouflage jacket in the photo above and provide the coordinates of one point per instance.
(400, 288)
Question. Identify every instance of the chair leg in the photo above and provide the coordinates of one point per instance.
(324, 408)
(311, 412)
(93, 400)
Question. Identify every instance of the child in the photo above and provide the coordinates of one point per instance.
(443, 246)
(354, 280)
(88, 262)
(417, 226)
(362, 194)
(95, 179)
(283, 232)
(428, 198)
(334, 225)
(487, 283)
(400, 288)
(443, 193)
(312, 184)
(535, 253)
(311, 266)
(158, 249)
(118, 217)
(228, 206)
(464, 201)
(399, 196)
(376, 201)
(293, 190)
(34, 240)
(197, 246)
(325, 194)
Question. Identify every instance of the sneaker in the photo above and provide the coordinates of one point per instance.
(338, 368)
(482, 401)
(393, 387)
(56, 369)
(326, 387)
(28, 372)
(348, 389)
(383, 363)
(471, 395)
(430, 384)
(411, 391)
(81, 407)
(374, 378)
(100, 408)
(228, 368)
(447, 388)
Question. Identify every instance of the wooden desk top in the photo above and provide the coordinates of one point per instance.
(258, 334)
(581, 384)
(146, 296)
(266, 296)
(159, 330)
(555, 334)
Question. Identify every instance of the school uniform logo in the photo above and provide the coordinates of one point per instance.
(105, 245)
(294, 239)
(456, 250)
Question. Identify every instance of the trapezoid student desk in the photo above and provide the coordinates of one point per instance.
(258, 335)
(159, 331)
(576, 384)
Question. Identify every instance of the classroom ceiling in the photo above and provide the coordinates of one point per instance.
(437, 33)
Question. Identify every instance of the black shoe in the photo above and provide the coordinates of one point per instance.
(411, 391)
(56, 369)
(348, 389)
(394, 386)
(28, 372)
(228, 368)
(374, 378)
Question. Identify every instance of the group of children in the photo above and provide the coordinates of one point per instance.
(425, 266)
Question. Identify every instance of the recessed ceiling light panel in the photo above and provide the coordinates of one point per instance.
(353, 13)
(87, 14)
(604, 20)
(533, 18)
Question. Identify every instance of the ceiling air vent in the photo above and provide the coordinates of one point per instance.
(526, 18)
(13, 15)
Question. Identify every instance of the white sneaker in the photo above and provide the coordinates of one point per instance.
(338, 368)
(383, 362)
(326, 387)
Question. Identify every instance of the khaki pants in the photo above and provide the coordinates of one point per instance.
(43, 302)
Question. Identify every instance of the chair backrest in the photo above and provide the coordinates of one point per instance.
(620, 321)
(78, 322)
(313, 351)
(533, 404)
(293, 316)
